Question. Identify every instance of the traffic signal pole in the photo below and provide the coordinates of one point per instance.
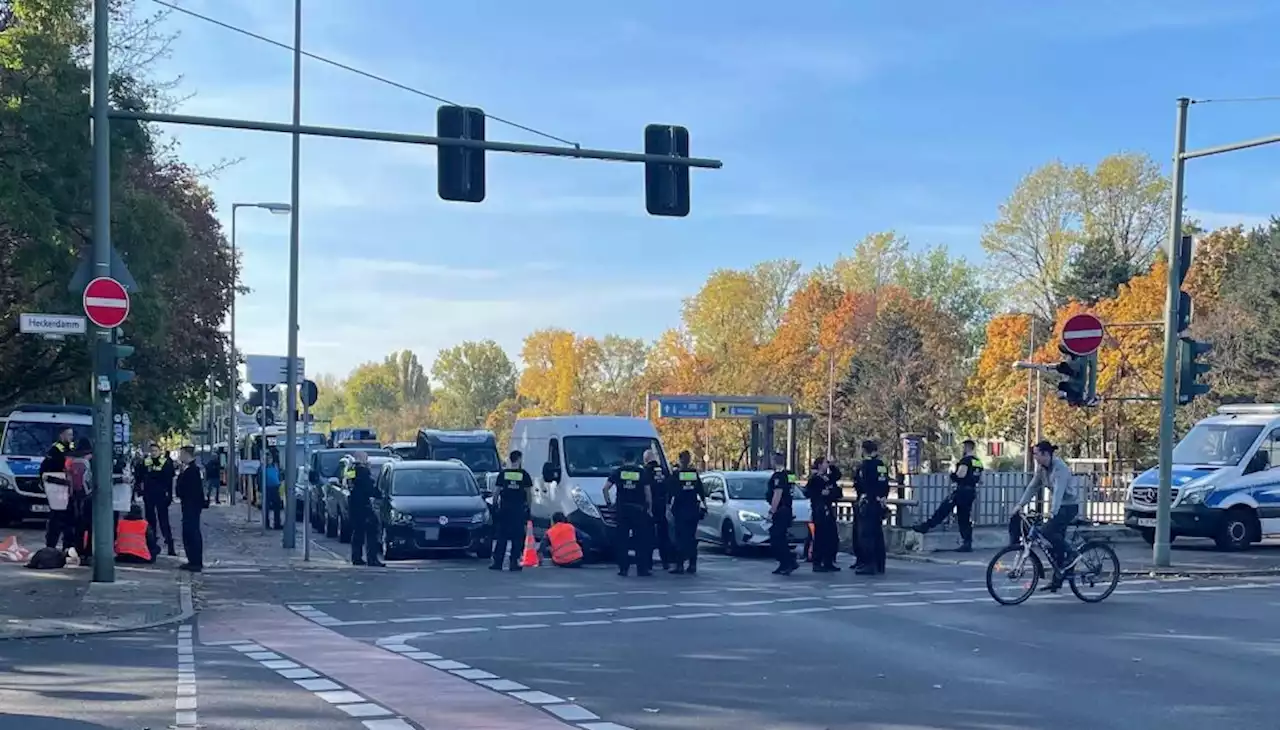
(104, 566)
(1168, 390)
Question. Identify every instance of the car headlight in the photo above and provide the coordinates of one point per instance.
(6, 483)
(1195, 497)
(583, 503)
(479, 518)
(746, 516)
(401, 518)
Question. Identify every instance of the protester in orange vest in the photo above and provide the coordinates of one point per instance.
(564, 542)
(135, 539)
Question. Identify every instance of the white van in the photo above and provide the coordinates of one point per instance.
(570, 458)
(1226, 480)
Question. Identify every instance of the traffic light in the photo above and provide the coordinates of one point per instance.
(1192, 369)
(666, 187)
(1077, 387)
(460, 170)
(119, 351)
(263, 396)
(1182, 315)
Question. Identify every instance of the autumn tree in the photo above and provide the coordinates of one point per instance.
(559, 371)
(995, 391)
(619, 373)
(472, 378)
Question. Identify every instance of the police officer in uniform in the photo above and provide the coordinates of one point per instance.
(873, 489)
(634, 516)
(823, 492)
(965, 476)
(364, 518)
(513, 487)
(656, 475)
(157, 493)
(688, 503)
(781, 483)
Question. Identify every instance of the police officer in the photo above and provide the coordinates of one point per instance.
(634, 515)
(364, 518)
(873, 489)
(157, 493)
(823, 492)
(781, 484)
(512, 496)
(656, 475)
(688, 504)
(191, 494)
(965, 476)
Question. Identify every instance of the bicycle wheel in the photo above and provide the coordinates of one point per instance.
(1096, 568)
(1022, 575)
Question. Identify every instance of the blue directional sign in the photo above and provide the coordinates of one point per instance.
(743, 410)
(685, 409)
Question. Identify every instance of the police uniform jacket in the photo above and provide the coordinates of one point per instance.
(873, 478)
(967, 472)
(513, 495)
(157, 477)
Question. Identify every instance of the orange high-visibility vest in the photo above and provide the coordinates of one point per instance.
(131, 539)
(564, 544)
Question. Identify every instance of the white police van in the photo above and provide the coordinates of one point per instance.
(1226, 480)
(28, 433)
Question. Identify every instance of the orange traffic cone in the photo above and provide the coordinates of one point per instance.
(530, 557)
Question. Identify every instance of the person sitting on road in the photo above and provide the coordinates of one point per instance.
(136, 541)
(563, 542)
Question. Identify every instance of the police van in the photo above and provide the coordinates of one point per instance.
(28, 433)
(1226, 480)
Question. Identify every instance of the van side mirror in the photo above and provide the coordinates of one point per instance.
(1257, 463)
(716, 496)
(550, 473)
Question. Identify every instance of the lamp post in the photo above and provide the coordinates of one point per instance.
(233, 471)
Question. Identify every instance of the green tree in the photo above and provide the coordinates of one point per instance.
(472, 379)
(411, 379)
(954, 285)
(162, 222)
(1097, 271)
(620, 369)
(372, 389)
(876, 262)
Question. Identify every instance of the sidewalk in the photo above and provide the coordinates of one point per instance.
(234, 541)
(49, 603)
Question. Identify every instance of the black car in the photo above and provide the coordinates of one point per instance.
(324, 476)
(432, 506)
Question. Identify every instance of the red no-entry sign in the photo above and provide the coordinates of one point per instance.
(1082, 334)
(106, 303)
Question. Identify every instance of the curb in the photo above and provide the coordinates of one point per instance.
(186, 603)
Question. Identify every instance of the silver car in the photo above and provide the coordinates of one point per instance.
(738, 511)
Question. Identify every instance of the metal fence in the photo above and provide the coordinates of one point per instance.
(1104, 497)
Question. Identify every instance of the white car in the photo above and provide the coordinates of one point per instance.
(738, 511)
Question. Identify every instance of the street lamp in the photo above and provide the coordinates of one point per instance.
(233, 475)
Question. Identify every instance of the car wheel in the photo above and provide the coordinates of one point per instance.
(729, 539)
(1237, 531)
(485, 551)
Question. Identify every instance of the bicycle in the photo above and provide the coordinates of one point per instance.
(1089, 560)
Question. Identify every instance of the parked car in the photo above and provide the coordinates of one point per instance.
(738, 511)
(432, 506)
(402, 449)
(323, 471)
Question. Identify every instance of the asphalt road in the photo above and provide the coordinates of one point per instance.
(445, 644)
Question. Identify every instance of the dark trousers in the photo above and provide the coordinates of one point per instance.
(826, 538)
(871, 535)
(365, 537)
(192, 538)
(779, 544)
(635, 532)
(961, 502)
(508, 534)
(157, 513)
(662, 539)
(275, 506)
(686, 539)
(70, 527)
(1055, 531)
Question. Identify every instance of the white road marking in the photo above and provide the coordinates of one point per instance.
(573, 713)
(513, 627)
(185, 694)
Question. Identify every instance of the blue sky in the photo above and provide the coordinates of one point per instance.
(834, 118)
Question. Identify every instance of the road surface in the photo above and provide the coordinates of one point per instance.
(445, 644)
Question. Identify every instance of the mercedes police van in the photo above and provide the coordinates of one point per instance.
(1226, 480)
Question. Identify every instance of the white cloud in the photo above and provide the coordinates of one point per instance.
(1210, 219)
(413, 268)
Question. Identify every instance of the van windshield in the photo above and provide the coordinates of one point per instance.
(596, 456)
(33, 438)
(1218, 444)
(479, 458)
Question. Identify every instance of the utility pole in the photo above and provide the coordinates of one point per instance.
(104, 568)
(291, 386)
(1031, 376)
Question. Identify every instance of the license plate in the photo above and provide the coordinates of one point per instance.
(39, 508)
(430, 534)
(1146, 522)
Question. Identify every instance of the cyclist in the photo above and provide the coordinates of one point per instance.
(1053, 473)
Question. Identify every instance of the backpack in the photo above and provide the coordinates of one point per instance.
(47, 558)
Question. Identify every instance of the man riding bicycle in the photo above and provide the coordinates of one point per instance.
(1053, 473)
